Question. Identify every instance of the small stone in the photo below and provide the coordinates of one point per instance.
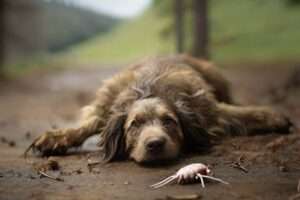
(28, 135)
(52, 164)
(3, 139)
(96, 170)
(126, 183)
(283, 169)
(54, 126)
(78, 171)
(70, 187)
(31, 176)
(12, 143)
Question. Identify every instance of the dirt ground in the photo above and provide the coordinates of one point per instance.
(42, 101)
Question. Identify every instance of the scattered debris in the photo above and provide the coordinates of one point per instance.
(31, 176)
(184, 197)
(189, 173)
(238, 165)
(50, 164)
(78, 171)
(70, 187)
(28, 135)
(71, 172)
(109, 183)
(3, 139)
(95, 170)
(44, 174)
(92, 163)
(54, 126)
(283, 168)
(10, 143)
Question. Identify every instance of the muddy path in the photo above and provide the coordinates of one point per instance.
(40, 101)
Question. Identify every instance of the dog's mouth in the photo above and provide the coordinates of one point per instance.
(158, 161)
(153, 158)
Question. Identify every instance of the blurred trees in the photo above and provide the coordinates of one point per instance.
(23, 31)
(179, 26)
(67, 24)
(1, 36)
(33, 27)
(189, 24)
(293, 2)
(201, 29)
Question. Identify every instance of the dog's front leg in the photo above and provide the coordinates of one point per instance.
(57, 142)
(255, 119)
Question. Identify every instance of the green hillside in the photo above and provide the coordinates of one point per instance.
(67, 24)
(133, 39)
(249, 30)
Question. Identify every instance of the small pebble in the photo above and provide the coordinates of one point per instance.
(78, 171)
(70, 187)
(28, 135)
(12, 143)
(31, 176)
(3, 139)
(96, 171)
(54, 126)
(283, 169)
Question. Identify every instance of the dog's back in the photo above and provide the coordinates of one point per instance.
(161, 66)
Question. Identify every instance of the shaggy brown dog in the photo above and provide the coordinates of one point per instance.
(157, 108)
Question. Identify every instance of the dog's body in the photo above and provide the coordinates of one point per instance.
(156, 109)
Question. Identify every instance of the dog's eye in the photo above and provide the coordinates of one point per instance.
(134, 124)
(167, 121)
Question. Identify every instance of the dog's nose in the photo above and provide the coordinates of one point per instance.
(156, 145)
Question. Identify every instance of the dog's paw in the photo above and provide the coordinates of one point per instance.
(282, 124)
(50, 143)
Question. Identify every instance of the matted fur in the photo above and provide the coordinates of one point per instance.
(182, 101)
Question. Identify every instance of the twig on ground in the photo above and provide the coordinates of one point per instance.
(238, 165)
(92, 164)
(49, 176)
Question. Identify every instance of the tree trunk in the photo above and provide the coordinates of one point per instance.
(201, 28)
(179, 25)
(2, 29)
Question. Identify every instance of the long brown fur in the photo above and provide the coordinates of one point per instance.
(182, 99)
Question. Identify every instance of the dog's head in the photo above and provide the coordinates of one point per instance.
(149, 131)
(150, 128)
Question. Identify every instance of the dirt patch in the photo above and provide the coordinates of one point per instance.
(36, 103)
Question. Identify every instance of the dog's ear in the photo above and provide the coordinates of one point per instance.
(112, 140)
(194, 119)
(196, 138)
